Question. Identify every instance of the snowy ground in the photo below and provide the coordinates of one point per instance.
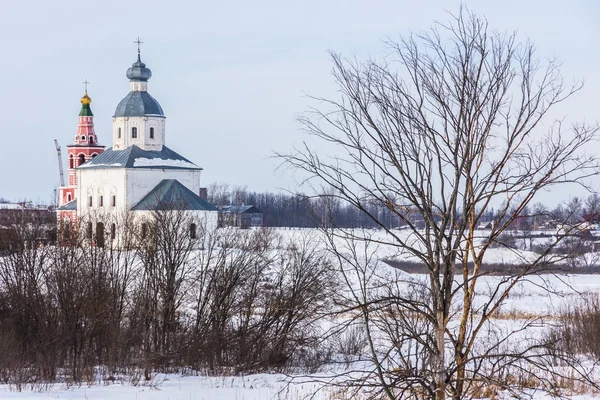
(174, 387)
(528, 298)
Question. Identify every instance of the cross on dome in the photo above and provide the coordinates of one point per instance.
(139, 43)
(85, 101)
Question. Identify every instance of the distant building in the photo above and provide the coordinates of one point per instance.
(137, 174)
(22, 224)
(242, 216)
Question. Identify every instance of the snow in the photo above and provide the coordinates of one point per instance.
(160, 162)
(543, 295)
(176, 387)
(99, 165)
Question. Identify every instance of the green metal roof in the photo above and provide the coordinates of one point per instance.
(170, 194)
(86, 111)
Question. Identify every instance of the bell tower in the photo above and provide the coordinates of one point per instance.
(85, 147)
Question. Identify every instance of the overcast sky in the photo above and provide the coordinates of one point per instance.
(230, 76)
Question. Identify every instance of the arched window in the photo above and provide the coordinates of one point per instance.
(89, 230)
(119, 133)
(91, 140)
(151, 133)
(83, 138)
(67, 229)
(134, 133)
(68, 197)
(100, 234)
(113, 231)
(144, 230)
(193, 231)
(81, 159)
(71, 163)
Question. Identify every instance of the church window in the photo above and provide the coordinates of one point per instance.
(83, 137)
(119, 133)
(193, 231)
(91, 140)
(151, 133)
(81, 159)
(144, 230)
(68, 197)
(100, 234)
(71, 163)
(113, 231)
(67, 230)
(134, 133)
(113, 200)
(90, 201)
(101, 201)
(88, 230)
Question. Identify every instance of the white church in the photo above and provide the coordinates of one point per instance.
(137, 174)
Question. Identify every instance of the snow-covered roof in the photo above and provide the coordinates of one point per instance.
(70, 206)
(135, 157)
(240, 209)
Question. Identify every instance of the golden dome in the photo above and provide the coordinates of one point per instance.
(86, 100)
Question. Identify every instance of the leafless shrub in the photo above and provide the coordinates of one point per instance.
(577, 330)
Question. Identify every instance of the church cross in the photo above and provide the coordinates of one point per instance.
(138, 42)
(86, 83)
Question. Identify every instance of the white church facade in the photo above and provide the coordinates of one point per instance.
(138, 174)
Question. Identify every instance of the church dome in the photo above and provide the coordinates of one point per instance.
(138, 71)
(139, 104)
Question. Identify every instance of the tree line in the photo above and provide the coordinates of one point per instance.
(300, 210)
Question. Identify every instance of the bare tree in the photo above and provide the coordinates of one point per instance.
(449, 125)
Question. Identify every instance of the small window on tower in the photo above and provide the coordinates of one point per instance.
(90, 201)
(101, 201)
(71, 163)
(68, 197)
(113, 200)
(134, 133)
(113, 231)
(151, 133)
(81, 159)
(83, 138)
(119, 133)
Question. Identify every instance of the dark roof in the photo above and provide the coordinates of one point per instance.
(138, 104)
(240, 209)
(70, 206)
(138, 71)
(126, 158)
(171, 194)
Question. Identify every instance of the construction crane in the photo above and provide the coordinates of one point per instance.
(60, 165)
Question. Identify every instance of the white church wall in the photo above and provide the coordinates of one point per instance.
(143, 125)
(106, 182)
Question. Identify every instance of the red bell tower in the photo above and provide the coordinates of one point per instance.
(84, 147)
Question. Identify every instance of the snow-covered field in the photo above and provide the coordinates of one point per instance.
(175, 387)
(539, 296)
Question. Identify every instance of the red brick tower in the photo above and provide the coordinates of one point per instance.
(84, 147)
